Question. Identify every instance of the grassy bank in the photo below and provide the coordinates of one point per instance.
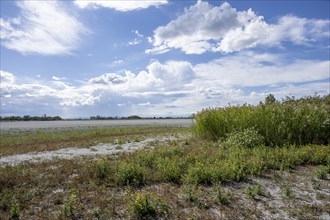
(24, 141)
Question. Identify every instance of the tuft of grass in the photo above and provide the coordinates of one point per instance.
(14, 209)
(146, 205)
(223, 197)
(321, 172)
(287, 191)
(252, 191)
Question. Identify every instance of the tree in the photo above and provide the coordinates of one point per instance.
(270, 99)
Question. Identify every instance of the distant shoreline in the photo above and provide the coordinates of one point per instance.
(65, 123)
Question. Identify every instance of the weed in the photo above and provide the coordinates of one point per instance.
(321, 172)
(97, 213)
(222, 197)
(72, 206)
(145, 205)
(287, 191)
(190, 192)
(253, 191)
(99, 168)
(130, 174)
(14, 209)
(315, 183)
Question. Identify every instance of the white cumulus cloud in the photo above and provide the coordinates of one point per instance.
(204, 27)
(124, 5)
(43, 27)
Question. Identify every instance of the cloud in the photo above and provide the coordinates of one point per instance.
(134, 42)
(43, 27)
(252, 69)
(126, 5)
(108, 78)
(172, 87)
(204, 28)
(56, 78)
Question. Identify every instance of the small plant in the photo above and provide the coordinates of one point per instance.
(321, 172)
(223, 197)
(287, 191)
(190, 193)
(97, 213)
(315, 183)
(71, 206)
(253, 191)
(146, 205)
(14, 209)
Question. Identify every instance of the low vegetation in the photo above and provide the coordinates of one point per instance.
(24, 141)
(238, 172)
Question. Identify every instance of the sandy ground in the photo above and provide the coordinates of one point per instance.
(70, 153)
(91, 123)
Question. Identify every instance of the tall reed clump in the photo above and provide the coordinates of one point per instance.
(300, 122)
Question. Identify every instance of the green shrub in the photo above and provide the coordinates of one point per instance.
(200, 173)
(144, 205)
(299, 122)
(130, 174)
(170, 169)
(248, 137)
(100, 168)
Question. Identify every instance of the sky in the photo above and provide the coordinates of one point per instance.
(155, 58)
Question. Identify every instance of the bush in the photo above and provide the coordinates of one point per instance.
(99, 168)
(130, 174)
(298, 122)
(145, 205)
(246, 138)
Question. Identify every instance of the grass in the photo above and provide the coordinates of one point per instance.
(107, 184)
(182, 178)
(24, 141)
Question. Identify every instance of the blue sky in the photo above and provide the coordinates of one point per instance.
(158, 58)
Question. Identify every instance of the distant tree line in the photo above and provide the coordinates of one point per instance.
(30, 118)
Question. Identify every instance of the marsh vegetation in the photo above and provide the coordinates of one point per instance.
(236, 162)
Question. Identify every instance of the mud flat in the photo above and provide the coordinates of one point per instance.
(93, 123)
